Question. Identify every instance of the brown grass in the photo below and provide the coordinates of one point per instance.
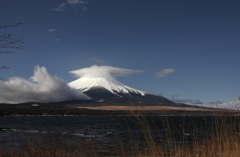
(223, 140)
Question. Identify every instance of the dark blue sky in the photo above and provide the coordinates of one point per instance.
(199, 40)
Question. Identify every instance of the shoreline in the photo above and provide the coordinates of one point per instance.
(77, 110)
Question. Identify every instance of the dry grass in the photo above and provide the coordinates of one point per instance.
(223, 140)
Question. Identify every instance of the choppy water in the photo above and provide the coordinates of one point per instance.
(105, 130)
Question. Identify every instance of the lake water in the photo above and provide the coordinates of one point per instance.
(104, 130)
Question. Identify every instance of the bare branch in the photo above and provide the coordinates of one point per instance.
(7, 41)
(9, 44)
(6, 52)
(11, 25)
(4, 67)
(5, 37)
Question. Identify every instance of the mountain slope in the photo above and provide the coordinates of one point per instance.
(113, 92)
(104, 97)
(100, 84)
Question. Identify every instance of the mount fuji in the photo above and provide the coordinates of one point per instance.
(96, 92)
(100, 84)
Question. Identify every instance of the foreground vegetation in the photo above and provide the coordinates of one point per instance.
(223, 139)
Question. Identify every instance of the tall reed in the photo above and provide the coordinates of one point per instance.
(219, 136)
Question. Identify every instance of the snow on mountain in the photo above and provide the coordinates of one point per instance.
(105, 77)
(114, 86)
(100, 84)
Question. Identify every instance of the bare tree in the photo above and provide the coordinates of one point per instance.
(8, 42)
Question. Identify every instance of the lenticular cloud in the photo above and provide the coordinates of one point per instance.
(41, 87)
(106, 72)
(102, 76)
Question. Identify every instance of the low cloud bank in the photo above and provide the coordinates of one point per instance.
(231, 105)
(41, 87)
(175, 98)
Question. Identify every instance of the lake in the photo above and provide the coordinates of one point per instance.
(104, 130)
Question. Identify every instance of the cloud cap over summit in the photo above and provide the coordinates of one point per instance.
(104, 77)
(106, 72)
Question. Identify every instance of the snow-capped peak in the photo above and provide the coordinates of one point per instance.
(103, 76)
(85, 84)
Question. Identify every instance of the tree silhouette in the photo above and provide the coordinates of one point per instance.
(8, 42)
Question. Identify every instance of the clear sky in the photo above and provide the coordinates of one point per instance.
(188, 49)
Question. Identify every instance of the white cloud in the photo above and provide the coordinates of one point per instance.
(75, 2)
(52, 30)
(98, 60)
(164, 73)
(61, 7)
(56, 40)
(232, 105)
(41, 87)
(106, 72)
